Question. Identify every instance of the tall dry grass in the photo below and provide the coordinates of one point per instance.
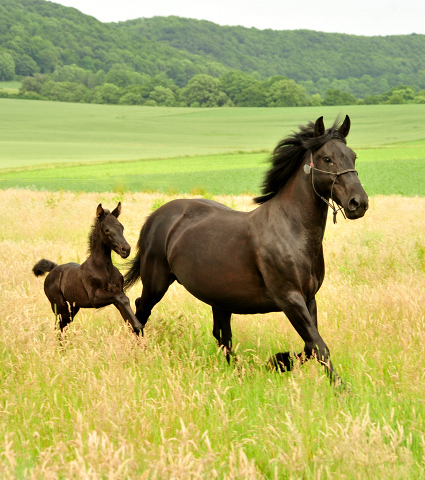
(167, 406)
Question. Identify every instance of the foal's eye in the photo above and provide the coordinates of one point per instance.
(106, 230)
(327, 160)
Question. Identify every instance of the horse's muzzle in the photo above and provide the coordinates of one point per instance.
(123, 250)
(357, 206)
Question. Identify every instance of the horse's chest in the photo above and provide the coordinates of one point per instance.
(113, 287)
(291, 268)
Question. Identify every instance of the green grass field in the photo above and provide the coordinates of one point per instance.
(385, 171)
(79, 147)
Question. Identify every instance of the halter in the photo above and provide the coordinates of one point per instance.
(311, 168)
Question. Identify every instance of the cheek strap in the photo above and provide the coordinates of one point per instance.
(310, 169)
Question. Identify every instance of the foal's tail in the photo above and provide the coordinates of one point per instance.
(133, 274)
(43, 266)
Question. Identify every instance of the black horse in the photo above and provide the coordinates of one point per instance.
(97, 282)
(267, 260)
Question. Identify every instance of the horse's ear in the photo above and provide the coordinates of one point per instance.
(319, 127)
(117, 211)
(99, 211)
(344, 129)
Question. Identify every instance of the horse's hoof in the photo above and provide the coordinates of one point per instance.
(338, 383)
(282, 361)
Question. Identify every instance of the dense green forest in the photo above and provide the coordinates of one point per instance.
(62, 54)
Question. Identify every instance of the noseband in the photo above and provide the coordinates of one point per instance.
(311, 168)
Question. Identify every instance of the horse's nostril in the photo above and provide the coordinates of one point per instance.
(353, 204)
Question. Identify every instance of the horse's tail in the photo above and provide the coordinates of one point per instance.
(133, 274)
(43, 266)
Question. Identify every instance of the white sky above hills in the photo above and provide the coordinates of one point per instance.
(359, 17)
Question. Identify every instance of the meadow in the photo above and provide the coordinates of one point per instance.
(167, 406)
(95, 148)
(395, 170)
(108, 405)
(39, 133)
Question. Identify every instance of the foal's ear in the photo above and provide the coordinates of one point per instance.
(344, 129)
(319, 127)
(117, 211)
(99, 211)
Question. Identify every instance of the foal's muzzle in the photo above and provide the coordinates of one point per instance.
(123, 250)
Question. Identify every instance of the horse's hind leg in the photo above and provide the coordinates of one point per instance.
(61, 311)
(156, 278)
(222, 330)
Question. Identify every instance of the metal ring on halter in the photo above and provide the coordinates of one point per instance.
(337, 174)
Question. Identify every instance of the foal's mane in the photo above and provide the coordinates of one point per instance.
(288, 154)
(95, 228)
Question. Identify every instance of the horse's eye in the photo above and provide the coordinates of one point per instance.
(106, 230)
(327, 160)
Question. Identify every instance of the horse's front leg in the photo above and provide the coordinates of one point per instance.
(304, 319)
(102, 298)
(285, 360)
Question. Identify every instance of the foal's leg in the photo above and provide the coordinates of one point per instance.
(222, 330)
(102, 298)
(122, 303)
(74, 311)
(61, 310)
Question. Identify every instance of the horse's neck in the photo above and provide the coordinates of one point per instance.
(99, 252)
(297, 208)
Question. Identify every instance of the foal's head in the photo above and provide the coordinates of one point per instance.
(110, 230)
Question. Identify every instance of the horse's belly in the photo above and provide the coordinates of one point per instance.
(235, 301)
(238, 290)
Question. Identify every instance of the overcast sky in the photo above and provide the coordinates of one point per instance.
(359, 17)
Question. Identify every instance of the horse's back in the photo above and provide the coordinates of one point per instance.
(173, 217)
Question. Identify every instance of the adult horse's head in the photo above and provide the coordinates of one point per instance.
(110, 230)
(327, 160)
(332, 168)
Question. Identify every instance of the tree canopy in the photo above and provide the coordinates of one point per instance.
(180, 61)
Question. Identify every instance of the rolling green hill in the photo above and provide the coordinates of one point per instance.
(299, 54)
(41, 35)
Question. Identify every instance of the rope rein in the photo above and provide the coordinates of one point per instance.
(311, 168)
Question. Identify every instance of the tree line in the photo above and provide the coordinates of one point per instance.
(71, 83)
(62, 54)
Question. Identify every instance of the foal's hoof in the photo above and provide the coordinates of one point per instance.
(138, 332)
(282, 361)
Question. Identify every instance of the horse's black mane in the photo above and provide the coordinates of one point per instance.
(288, 154)
(95, 225)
